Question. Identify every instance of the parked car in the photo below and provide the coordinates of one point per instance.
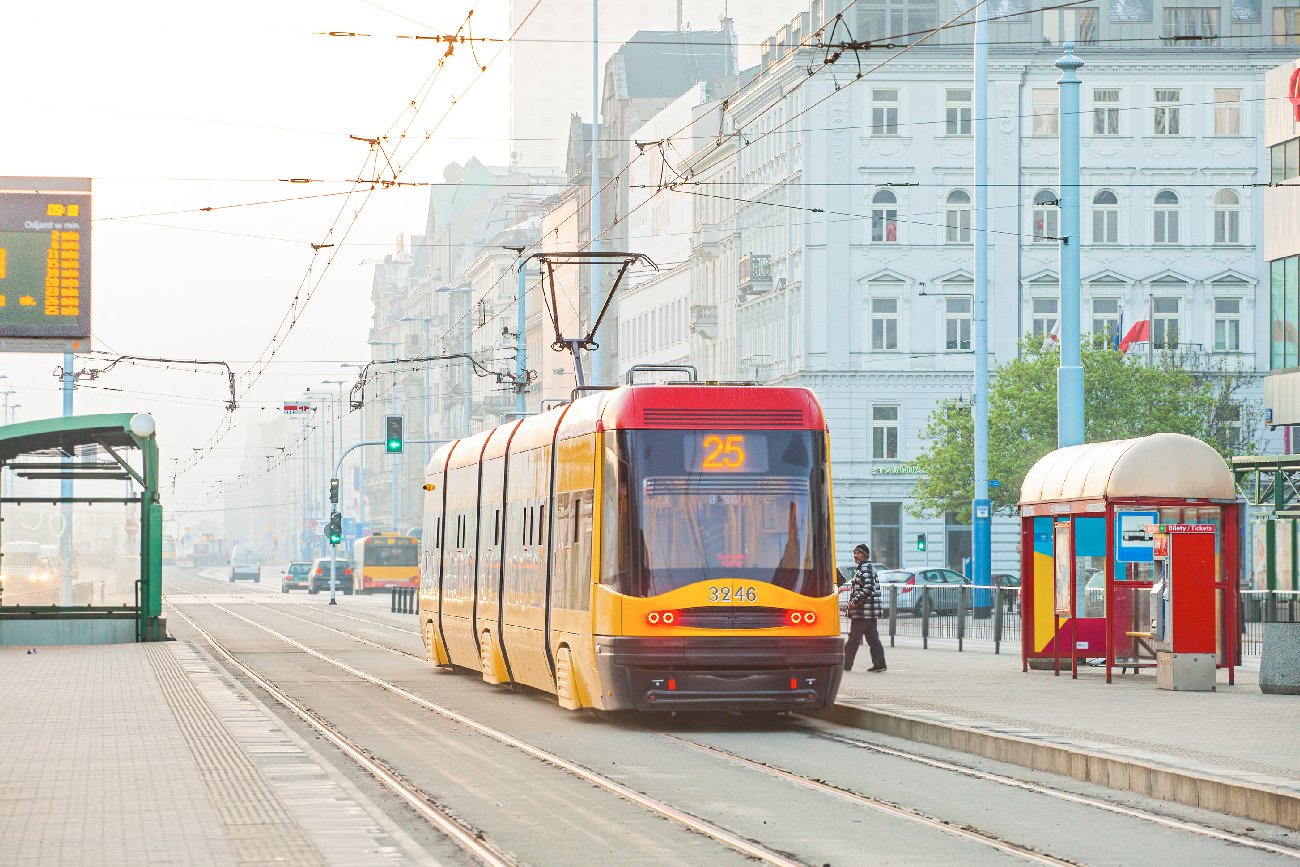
(296, 577)
(245, 563)
(320, 576)
(911, 598)
(1007, 581)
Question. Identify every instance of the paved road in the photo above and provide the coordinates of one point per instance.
(546, 786)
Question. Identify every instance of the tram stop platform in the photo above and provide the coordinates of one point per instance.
(1234, 750)
(150, 753)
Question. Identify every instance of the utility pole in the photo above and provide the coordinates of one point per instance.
(981, 508)
(1069, 377)
(361, 466)
(65, 488)
(392, 410)
(593, 273)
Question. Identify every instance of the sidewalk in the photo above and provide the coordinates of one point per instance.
(151, 754)
(984, 703)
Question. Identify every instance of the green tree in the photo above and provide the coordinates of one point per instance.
(1180, 391)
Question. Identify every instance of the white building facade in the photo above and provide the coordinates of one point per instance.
(854, 223)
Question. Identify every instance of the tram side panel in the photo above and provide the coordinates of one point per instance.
(458, 565)
(571, 565)
(492, 509)
(523, 629)
(431, 551)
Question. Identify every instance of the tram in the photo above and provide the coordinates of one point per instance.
(650, 547)
(384, 560)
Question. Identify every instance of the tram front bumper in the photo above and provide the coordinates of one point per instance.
(719, 673)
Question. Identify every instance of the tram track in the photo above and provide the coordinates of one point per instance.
(967, 832)
(698, 825)
(466, 836)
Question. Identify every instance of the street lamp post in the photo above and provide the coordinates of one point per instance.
(428, 389)
(392, 409)
(361, 463)
(468, 367)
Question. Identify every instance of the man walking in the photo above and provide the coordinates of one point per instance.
(864, 610)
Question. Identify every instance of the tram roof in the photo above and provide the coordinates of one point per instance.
(736, 407)
(1160, 465)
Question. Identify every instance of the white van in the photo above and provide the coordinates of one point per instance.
(245, 562)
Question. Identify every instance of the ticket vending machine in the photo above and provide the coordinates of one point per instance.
(1183, 606)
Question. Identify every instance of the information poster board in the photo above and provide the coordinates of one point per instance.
(45, 258)
(1064, 560)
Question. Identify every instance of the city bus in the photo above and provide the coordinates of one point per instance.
(383, 560)
(656, 547)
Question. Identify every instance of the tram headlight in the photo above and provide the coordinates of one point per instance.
(661, 618)
(801, 618)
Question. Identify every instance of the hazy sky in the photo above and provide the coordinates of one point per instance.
(179, 106)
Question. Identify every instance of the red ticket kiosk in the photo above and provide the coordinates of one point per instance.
(1088, 553)
(1182, 605)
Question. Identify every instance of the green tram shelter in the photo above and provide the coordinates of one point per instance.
(55, 449)
(1271, 484)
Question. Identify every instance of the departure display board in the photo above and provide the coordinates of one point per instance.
(45, 258)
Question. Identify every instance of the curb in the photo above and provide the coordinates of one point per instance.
(1261, 802)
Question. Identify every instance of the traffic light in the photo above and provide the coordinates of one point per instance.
(393, 440)
(334, 491)
(920, 541)
(335, 531)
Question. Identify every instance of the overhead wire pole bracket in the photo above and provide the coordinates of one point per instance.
(575, 344)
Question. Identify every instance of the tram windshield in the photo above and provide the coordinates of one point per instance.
(702, 505)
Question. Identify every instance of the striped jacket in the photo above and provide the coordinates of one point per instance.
(864, 597)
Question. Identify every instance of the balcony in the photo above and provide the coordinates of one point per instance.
(755, 274)
(704, 320)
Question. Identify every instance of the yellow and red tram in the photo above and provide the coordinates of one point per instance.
(652, 546)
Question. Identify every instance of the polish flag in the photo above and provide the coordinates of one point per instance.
(1053, 337)
(1140, 332)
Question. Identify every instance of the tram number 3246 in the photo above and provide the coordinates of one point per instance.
(733, 594)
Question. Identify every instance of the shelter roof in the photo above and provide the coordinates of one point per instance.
(1161, 465)
(66, 435)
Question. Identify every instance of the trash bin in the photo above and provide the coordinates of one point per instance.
(1279, 663)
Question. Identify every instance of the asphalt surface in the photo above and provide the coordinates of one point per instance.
(548, 786)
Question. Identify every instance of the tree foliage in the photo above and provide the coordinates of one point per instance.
(1179, 391)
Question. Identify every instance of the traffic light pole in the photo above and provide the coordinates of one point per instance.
(338, 465)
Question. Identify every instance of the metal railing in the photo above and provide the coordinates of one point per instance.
(948, 612)
(1265, 606)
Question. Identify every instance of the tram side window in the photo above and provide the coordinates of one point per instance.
(615, 557)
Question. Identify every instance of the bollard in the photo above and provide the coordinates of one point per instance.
(961, 616)
(997, 618)
(925, 616)
(393, 606)
(893, 613)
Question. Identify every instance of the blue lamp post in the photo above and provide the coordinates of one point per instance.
(1069, 377)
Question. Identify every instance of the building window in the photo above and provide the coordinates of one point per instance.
(1130, 11)
(884, 324)
(1166, 217)
(1047, 217)
(1227, 111)
(1284, 311)
(1227, 324)
(884, 112)
(886, 530)
(1164, 322)
(957, 323)
(1246, 11)
(1227, 217)
(958, 217)
(1105, 112)
(1105, 318)
(896, 20)
(1229, 418)
(1284, 160)
(1043, 316)
(1286, 26)
(884, 217)
(1070, 25)
(1105, 218)
(1191, 23)
(1046, 110)
(958, 119)
(884, 433)
(1168, 106)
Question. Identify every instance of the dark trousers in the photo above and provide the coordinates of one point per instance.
(860, 628)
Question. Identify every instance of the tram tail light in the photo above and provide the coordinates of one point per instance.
(672, 684)
(801, 618)
(661, 618)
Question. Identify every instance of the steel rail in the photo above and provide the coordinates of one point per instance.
(1118, 809)
(700, 826)
(467, 837)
